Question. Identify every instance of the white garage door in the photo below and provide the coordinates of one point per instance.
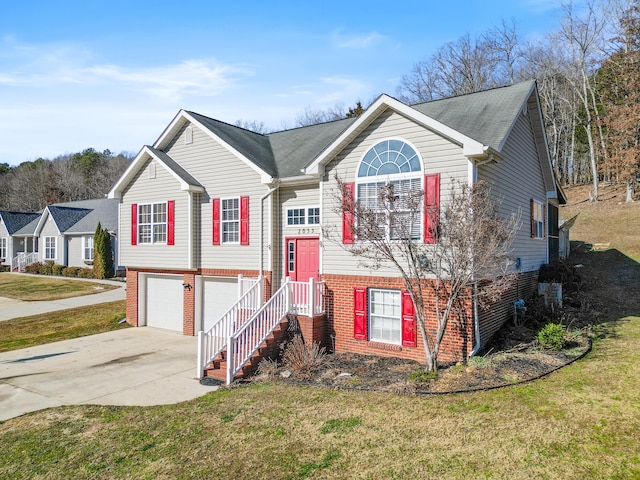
(164, 302)
(219, 294)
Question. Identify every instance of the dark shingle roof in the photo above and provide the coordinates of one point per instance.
(14, 221)
(483, 116)
(175, 166)
(294, 149)
(83, 216)
(254, 146)
(486, 117)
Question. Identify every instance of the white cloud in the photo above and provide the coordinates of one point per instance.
(355, 41)
(193, 77)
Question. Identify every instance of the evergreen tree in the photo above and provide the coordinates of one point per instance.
(98, 254)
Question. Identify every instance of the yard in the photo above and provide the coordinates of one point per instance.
(35, 288)
(580, 422)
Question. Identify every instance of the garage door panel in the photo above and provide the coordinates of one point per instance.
(165, 302)
(219, 295)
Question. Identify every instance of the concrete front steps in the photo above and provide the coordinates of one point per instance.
(217, 369)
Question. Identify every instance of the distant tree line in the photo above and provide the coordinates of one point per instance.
(31, 186)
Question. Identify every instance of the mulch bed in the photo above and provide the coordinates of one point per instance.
(524, 362)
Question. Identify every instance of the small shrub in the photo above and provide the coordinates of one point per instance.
(423, 376)
(72, 271)
(303, 359)
(84, 273)
(57, 269)
(480, 362)
(552, 336)
(46, 268)
(33, 268)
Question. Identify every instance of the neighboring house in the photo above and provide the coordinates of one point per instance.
(11, 244)
(63, 233)
(209, 201)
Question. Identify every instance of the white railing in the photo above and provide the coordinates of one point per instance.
(242, 344)
(307, 298)
(23, 259)
(246, 284)
(212, 342)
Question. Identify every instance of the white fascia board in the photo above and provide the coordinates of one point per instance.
(300, 180)
(127, 176)
(43, 219)
(470, 147)
(264, 176)
(184, 186)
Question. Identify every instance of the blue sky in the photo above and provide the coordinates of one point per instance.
(79, 74)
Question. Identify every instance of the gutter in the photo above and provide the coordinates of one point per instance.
(262, 199)
(476, 322)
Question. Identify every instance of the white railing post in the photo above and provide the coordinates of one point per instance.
(287, 294)
(230, 357)
(240, 286)
(200, 353)
(311, 296)
(261, 291)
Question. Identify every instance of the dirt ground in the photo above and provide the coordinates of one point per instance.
(601, 284)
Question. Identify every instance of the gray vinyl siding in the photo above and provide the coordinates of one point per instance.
(49, 229)
(223, 175)
(162, 188)
(75, 251)
(515, 180)
(4, 234)
(439, 155)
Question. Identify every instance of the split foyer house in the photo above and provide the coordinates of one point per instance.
(211, 211)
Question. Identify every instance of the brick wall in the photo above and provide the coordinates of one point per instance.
(189, 304)
(132, 298)
(456, 345)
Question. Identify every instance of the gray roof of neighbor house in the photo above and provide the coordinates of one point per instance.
(486, 117)
(14, 221)
(83, 216)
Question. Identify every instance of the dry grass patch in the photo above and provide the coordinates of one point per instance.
(61, 325)
(35, 288)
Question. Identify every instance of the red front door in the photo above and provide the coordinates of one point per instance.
(302, 258)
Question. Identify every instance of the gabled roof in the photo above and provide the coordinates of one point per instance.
(14, 221)
(487, 116)
(186, 180)
(81, 217)
(479, 122)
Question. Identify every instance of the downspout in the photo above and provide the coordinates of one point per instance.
(190, 230)
(476, 322)
(262, 199)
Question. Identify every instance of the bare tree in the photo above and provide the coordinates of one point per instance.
(469, 254)
(310, 116)
(252, 126)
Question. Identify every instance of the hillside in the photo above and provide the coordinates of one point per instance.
(606, 249)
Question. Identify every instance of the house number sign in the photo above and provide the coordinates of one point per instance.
(306, 231)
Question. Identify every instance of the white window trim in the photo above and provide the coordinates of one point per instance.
(4, 242)
(306, 223)
(539, 223)
(85, 247)
(387, 178)
(370, 320)
(48, 248)
(152, 224)
(223, 222)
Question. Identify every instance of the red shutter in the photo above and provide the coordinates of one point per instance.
(348, 193)
(244, 220)
(360, 313)
(216, 221)
(409, 331)
(134, 224)
(171, 214)
(431, 207)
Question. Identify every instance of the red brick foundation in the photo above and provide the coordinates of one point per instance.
(313, 330)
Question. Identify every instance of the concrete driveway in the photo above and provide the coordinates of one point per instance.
(134, 366)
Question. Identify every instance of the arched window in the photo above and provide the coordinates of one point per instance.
(395, 164)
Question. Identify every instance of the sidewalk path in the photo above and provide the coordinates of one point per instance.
(10, 308)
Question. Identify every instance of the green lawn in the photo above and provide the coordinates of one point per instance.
(580, 422)
(61, 325)
(31, 288)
